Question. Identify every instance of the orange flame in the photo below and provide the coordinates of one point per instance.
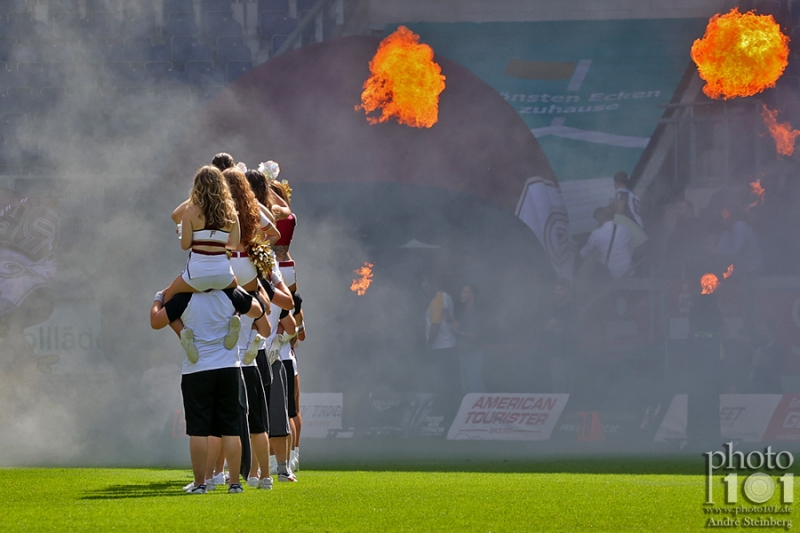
(782, 132)
(405, 83)
(741, 54)
(709, 283)
(728, 272)
(758, 190)
(360, 285)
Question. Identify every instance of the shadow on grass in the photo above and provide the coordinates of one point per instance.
(137, 490)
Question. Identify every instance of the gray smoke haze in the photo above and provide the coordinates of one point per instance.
(112, 160)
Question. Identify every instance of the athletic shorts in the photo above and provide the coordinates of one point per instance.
(276, 402)
(291, 405)
(257, 418)
(288, 272)
(206, 272)
(211, 402)
(244, 269)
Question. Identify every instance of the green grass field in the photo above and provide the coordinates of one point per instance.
(561, 496)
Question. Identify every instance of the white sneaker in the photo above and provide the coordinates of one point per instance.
(211, 484)
(252, 349)
(253, 481)
(287, 477)
(197, 490)
(235, 488)
(232, 338)
(220, 479)
(265, 483)
(190, 486)
(273, 465)
(294, 460)
(187, 341)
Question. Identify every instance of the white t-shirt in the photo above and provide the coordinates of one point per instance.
(207, 314)
(620, 261)
(445, 338)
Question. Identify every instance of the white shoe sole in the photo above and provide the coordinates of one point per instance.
(252, 350)
(187, 341)
(232, 338)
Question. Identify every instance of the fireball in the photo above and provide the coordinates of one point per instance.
(709, 283)
(405, 83)
(741, 54)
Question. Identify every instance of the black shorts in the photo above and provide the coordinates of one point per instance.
(211, 402)
(257, 418)
(264, 369)
(276, 402)
(291, 405)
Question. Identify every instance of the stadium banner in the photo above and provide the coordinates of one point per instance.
(785, 422)
(70, 340)
(742, 416)
(504, 416)
(321, 411)
(420, 414)
(615, 425)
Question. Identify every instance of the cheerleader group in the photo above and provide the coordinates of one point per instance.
(237, 313)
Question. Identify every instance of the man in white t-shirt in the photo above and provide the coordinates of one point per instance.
(211, 386)
(610, 244)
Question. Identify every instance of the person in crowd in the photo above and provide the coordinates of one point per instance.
(738, 243)
(560, 336)
(609, 244)
(441, 340)
(470, 347)
(625, 202)
(210, 385)
(769, 359)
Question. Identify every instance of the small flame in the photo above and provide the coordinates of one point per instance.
(728, 272)
(709, 283)
(782, 132)
(741, 54)
(405, 83)
(360, 285)
(758, 190)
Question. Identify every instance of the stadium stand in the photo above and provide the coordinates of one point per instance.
(105, 52)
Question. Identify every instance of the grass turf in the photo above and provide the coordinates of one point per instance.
(358, 501)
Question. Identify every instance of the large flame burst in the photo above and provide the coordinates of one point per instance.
(405, 83)
(360, 285)
(782, 132)
(741, 54)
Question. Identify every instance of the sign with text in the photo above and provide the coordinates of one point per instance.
(504, 416)
(321, 411)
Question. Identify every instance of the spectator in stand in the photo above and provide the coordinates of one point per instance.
(559, 338)
(610, 244)
(470, 347)
(441, 341)
(738, 243)
(769, 358)
(625, 201)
